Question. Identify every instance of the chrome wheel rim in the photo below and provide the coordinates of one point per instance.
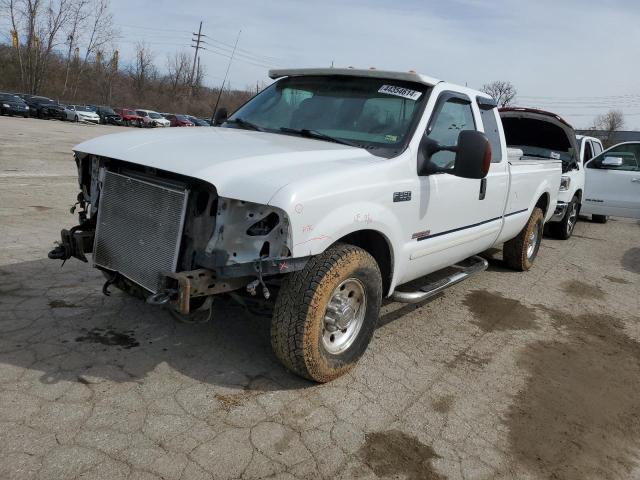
(344, 316)
(534, 238)
(573, 218)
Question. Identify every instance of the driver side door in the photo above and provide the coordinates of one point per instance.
(612, 184)
(453, 217)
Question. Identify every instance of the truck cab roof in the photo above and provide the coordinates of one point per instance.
(355, 72)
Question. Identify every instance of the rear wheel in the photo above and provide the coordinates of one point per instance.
(520, 252)
(564, 228)
(326, 313)
(599, 218)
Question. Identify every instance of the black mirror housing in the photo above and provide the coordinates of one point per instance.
(220, 116)
(473, 156)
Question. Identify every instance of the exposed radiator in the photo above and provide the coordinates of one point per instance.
(139, 227)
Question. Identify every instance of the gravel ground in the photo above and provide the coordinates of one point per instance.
(508, 375)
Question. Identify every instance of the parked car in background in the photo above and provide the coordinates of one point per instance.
(613, 183)
(152, 119)
(268, 208)
(80, 113)
(43, 107)
(108, 115)
(177, 120)
(129, 117)
(198, 122)
(545, 136)
(11, 104)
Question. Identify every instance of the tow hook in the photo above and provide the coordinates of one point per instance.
(162, 297)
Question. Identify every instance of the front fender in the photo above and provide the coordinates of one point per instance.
(313, 234)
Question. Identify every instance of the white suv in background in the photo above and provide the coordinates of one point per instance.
(153, 119)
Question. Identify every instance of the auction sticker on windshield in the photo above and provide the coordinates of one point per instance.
(400, 92)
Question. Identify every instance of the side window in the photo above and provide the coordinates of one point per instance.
(493, 134)
(597, 148)
(627, 155)
(453, 116)
(588, 151)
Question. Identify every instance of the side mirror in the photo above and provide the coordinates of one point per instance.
(220, 116)
(473, 156)
(612, 162)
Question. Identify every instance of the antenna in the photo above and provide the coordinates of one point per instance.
(215, 108)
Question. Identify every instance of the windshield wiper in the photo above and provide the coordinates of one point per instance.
(245, 124)
(305, 132)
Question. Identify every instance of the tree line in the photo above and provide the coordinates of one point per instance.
(67, 50)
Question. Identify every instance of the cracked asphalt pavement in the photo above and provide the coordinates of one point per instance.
(508, 375)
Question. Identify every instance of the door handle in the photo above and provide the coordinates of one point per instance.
(483, 189)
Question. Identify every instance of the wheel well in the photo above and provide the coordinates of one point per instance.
(579, 195)
(377, 245)
(543, 203)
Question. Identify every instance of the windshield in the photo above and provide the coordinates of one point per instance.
(182, 118)
(377, 114)
(83, 109)
(155, 115)
(107, 111)
(10, 98)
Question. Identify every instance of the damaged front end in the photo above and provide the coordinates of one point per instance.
(171, 239)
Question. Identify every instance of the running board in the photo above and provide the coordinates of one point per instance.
(477, 265)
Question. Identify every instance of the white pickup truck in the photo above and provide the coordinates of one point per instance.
(321, 195)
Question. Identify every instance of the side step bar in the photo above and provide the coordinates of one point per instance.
(474, 265)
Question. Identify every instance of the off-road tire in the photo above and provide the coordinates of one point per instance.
(298, 317)
(599, 218)
(561, 229)
(515, 250)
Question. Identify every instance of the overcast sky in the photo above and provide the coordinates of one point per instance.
(575, 57)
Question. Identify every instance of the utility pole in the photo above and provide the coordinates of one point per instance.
(198, 40)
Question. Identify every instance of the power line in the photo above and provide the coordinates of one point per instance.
(221, 45)
(138, 27)
(239, 59)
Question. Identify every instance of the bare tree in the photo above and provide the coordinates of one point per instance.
(38, 23)
(503, 92)
(178, 74)
(143, 70)
(609, 123)
(78, 16)
(100, 32)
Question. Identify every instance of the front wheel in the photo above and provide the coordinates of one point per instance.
(564, 228)
(520, 252)
(326, 313)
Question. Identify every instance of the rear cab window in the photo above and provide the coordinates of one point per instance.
(489, 117)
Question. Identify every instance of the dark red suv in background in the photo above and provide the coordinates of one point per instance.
(178, 120)
(129, 117)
